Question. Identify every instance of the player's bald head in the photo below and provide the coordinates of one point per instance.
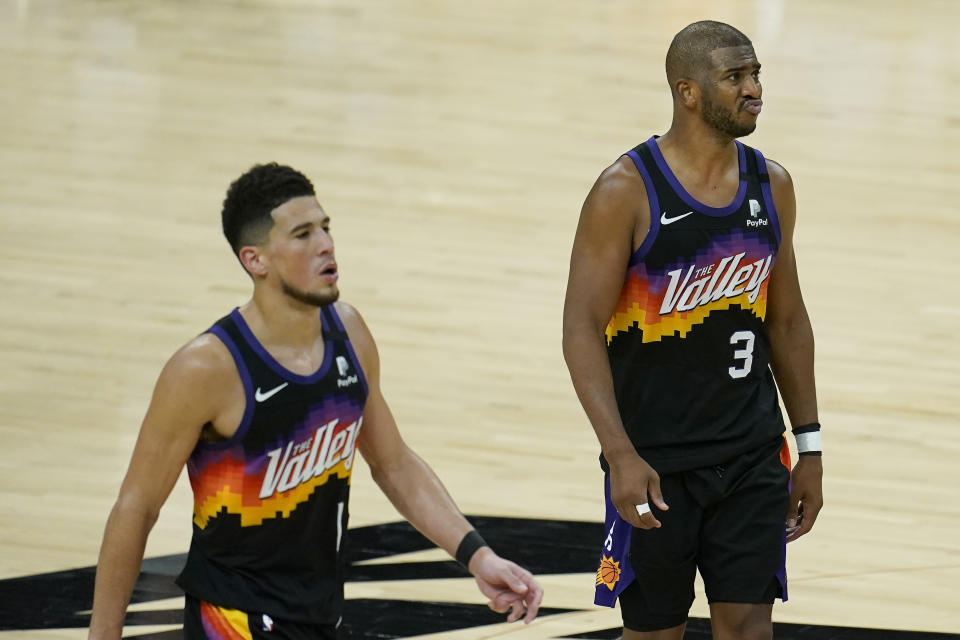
(689, 53)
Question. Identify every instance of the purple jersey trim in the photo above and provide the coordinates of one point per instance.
(692, 202)
(353, 354)
(654, 228)
(249, 404)
(616, 550)
(768, 196)
(275, 366)
(782, 569)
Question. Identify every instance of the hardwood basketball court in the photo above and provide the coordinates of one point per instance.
(452, 143)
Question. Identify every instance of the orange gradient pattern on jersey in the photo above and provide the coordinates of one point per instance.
(639, 308)
(224, 485)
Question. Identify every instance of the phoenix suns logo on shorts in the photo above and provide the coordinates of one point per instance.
(609, 572)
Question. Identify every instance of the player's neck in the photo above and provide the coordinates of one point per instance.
(282, 321)
(699, 149)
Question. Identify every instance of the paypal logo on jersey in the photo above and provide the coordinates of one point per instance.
(755, 211)
(343, 366)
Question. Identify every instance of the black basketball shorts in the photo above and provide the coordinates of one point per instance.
(728, 521)
(205, 621)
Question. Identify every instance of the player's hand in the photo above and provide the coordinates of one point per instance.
(508, 586)
(806, 496)
(633, 483)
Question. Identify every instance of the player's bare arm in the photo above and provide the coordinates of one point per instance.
(791, 339)
(613, 222)
(417, 493)
(193, 390)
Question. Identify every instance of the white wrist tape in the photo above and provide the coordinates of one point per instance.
(809, 442)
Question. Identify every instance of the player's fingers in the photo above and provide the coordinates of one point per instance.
(647, 519)
(802, 528)
(500, 603)
(532, 600)
(514, 578)
(809, 510)
(506, 603)
(793, 510)
(628, 512)
(655, 495)
(516, 611)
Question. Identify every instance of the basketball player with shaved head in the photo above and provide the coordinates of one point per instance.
(683, 317)
(266, 410)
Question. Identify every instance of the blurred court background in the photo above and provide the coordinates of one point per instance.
(453, 143)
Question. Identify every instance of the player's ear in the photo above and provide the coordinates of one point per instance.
(253, 260)
(688, 92)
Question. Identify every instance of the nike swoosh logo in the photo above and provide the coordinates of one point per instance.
(665, 220)
(262, 396)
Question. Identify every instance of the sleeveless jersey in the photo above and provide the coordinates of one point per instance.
(270, 503)
(687, 345)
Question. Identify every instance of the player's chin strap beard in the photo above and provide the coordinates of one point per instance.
(312, 299)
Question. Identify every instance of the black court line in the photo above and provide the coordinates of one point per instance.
(56, 600)
(699, 629)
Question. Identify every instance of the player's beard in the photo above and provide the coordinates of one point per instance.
(721, 119)
(312, 299)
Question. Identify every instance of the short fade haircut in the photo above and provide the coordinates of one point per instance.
(689, 53)
(250, 199)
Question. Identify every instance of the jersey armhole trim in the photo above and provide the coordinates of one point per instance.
(247, 383)
(768, 195)
(353, 354)
(654, 204)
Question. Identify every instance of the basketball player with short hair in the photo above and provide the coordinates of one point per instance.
(683, 316)
(266, 409)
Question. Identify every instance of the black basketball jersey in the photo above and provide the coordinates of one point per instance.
(270, 503)
(687, 345)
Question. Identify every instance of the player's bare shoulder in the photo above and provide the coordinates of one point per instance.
(203, 357)
(202, 378)
(618, 192)
(351, 318)
(616, 214)
(359, 333)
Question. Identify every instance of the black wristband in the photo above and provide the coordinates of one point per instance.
(818, 454)
(806, 428)
(469, 546)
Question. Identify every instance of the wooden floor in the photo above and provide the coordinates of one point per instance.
(453, 144)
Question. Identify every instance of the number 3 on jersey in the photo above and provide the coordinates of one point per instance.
(745, 354)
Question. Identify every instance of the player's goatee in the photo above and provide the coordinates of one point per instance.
(313, 299)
